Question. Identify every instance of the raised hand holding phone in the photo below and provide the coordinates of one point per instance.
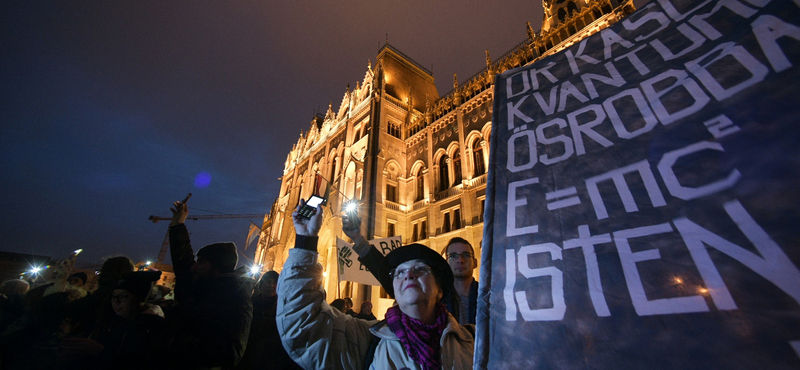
(179, 211)
(310, 225)
(310, 207)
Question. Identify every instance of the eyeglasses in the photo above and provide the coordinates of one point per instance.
(416, 272)
(120, 298)
(455, 256)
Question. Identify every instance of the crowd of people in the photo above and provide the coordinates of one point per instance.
(222, 318)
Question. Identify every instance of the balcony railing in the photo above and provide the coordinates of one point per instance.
(392, 206)
(478, 181)
(455, 190)
(419, 205)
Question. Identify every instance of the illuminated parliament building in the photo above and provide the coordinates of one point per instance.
(415, 161)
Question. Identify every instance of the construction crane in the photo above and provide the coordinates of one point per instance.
(165, 245)
(155, 219)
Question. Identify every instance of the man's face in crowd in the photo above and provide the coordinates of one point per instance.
(461, 259)
(366, 308)
(203, 269)
(123, 303)
(269, 288)
(76, 282)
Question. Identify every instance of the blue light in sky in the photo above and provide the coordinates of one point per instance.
(202, 180)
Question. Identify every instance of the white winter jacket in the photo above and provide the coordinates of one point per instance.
(318, 336)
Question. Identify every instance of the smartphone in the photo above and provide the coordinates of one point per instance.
(310, 208)
(187, 198)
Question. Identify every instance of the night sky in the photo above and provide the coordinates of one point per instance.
(111, 110)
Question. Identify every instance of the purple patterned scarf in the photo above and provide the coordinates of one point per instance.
(420, 341)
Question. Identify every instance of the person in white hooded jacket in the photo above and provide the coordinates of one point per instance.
(418, 333)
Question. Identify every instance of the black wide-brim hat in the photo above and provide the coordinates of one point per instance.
(139, 283)
(439, 267)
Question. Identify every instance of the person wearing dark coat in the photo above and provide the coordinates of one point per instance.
(95, 306)
(128, 339)
(211, 322)
(465, 312)
(32, 337)
(348, 307)
(464, 299)
(366, 311)
(264, 348)
(12, 301)
(338, 304)
(78, 279)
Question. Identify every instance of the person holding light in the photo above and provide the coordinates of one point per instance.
(418, 332)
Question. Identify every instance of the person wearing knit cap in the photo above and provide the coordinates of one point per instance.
(223, 256)
(214, 308)
(366, 311)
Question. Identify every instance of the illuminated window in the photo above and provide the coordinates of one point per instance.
(444, 177)
(419, 230)
(477, 155)
(457, 167)
(332, 175)
(391, 193)
(393, 129)
(420, 185)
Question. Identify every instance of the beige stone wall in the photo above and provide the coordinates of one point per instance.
(441, 141)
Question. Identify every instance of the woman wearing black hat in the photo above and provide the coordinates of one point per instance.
(418, 333)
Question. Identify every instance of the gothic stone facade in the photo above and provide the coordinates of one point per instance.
(416, 161)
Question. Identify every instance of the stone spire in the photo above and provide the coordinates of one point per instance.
(531, 34)
(456, 94)
(428, 111)
(489, 70)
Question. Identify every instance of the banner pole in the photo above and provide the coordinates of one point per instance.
(338, 273)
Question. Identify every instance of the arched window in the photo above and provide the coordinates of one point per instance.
(420, 185)
(332, 175)
(350, 180)
(359, 183)
(444, 177)
(356, 133)
(457, 167)
(571, 7)
(562, 14)
(289, 186)
(477, 155)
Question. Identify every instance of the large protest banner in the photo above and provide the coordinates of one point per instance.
(643, 199)
(351, 269)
